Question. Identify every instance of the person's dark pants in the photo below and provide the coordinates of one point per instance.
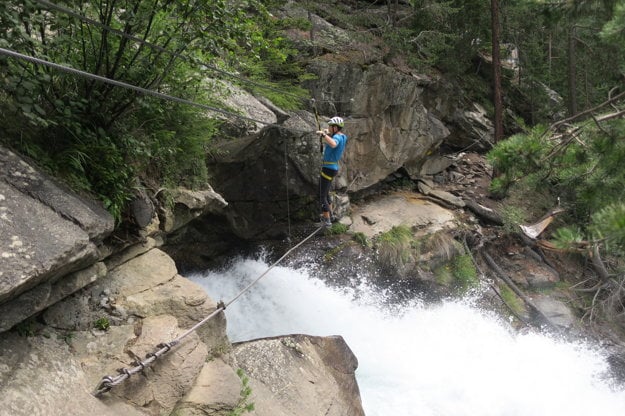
(325, 183)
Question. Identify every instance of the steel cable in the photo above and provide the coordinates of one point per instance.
(141, 90)
(109, 382)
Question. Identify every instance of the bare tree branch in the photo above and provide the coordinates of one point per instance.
(557, 124)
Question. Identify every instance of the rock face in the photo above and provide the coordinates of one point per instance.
(387, 123)
(300, 375)
(39, 376)
(46, 233)
(216, 391)
(401, 208)
(255, 171)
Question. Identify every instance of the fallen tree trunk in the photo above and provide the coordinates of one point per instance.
(502, 275)
(484, 212)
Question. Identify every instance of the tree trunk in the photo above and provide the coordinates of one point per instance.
(572, 74)
(497, 96)
(392, 6)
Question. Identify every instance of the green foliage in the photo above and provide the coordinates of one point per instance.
(337, 228)
(584, 172)
(597, 55)
(608, 226)
(512, 300)
(613, 32)
(276, 93)
(398, 235)
(465, 272)
(246, 391)
(173, 150)
(395, 245)
(448, 34)
(512, 216)
(517, 157)
(519, 154)
(459, 272)
(25, 328)
(567, 237)
(293, 23)
(102, 324)
(361, 239)
(273, 62)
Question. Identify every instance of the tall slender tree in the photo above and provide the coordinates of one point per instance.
(497, 93)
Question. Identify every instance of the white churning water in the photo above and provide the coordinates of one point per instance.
(449, 359)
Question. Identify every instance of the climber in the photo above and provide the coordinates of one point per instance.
(334, 145)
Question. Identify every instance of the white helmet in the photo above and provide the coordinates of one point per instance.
(336, 121)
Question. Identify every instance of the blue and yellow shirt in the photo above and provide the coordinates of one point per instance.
(331, 156)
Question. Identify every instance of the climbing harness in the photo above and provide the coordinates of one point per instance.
(108, 382)
(328, 177)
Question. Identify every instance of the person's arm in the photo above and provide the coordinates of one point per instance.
(327, 138)
(330, 141)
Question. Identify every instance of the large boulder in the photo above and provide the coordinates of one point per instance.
(39, 375)
(253, 113)
(216, 392)
(266, 177)
(300, 375)
(46, 234)
(387, 124)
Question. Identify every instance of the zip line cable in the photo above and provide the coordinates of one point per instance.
(141, 90)
(163, 96)
(109, 382)
(88, 20)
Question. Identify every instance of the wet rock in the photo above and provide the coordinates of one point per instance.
(300, 375)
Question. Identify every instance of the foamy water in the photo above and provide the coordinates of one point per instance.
(450, 359)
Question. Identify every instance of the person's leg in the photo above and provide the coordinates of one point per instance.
(325, 183)
(324, 194)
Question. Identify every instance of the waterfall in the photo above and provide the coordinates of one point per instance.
(447, 359)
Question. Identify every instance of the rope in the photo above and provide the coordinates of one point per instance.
(141, 90)
(88, 75)
(314, 105)
(109, 382)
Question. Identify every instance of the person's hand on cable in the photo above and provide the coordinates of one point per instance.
(324, 131)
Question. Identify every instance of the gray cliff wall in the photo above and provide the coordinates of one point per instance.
(49, 240)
